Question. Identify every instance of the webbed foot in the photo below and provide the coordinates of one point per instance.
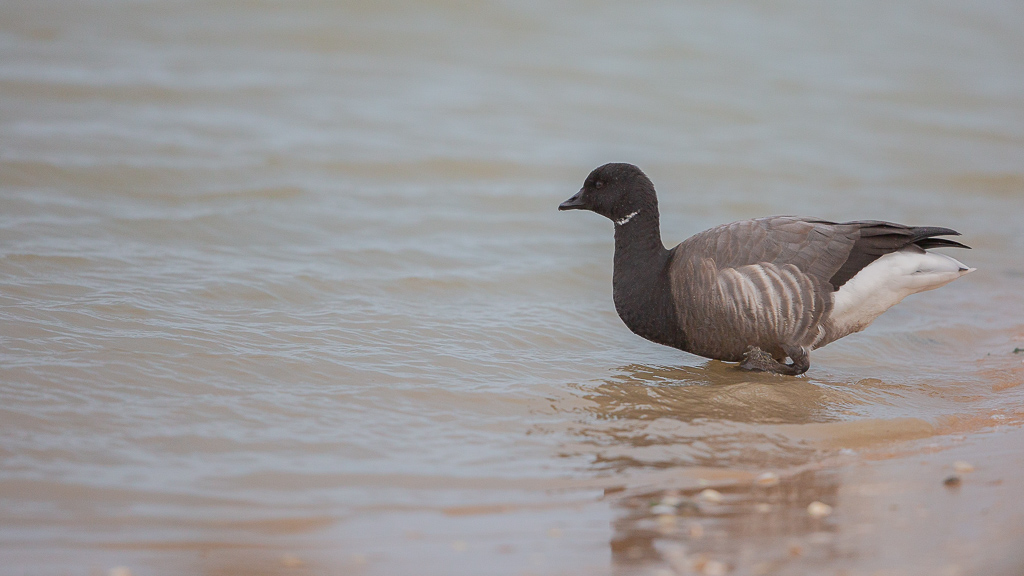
(758, 360)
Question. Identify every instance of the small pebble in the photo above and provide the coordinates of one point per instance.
(952, 482)
(695, 531)
(291, 561)
(818, 509)
(671, 500)
(767, 479)
(687, 508)
(711, 495)
(663, 509)
(763, 507)
(962, 467)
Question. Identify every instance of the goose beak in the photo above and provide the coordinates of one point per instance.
(574, 203)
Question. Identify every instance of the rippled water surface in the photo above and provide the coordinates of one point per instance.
(283, 287)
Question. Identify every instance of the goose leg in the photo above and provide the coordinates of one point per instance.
(758, 360)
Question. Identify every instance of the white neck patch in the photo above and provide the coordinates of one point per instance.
(627, 218)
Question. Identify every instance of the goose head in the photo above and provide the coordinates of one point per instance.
(616, 191)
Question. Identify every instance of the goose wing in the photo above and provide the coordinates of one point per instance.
(769, 282)
(829, 251)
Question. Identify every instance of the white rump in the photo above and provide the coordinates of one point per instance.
(883, 283)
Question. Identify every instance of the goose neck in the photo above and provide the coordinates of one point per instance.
(638, 238)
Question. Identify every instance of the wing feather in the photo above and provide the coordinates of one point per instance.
(830, 251)
(769, 282)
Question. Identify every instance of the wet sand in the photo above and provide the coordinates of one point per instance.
(941, 504)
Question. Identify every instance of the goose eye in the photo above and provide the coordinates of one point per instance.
(598, 184)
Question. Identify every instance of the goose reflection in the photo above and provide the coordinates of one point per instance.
(648, 420)
(714, 391)
(653, 417)
(751, 530)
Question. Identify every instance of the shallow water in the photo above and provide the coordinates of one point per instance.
(283, 286)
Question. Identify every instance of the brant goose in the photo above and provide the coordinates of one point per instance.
(757, 291)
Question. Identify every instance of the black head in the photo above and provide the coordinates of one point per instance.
(616, 191)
